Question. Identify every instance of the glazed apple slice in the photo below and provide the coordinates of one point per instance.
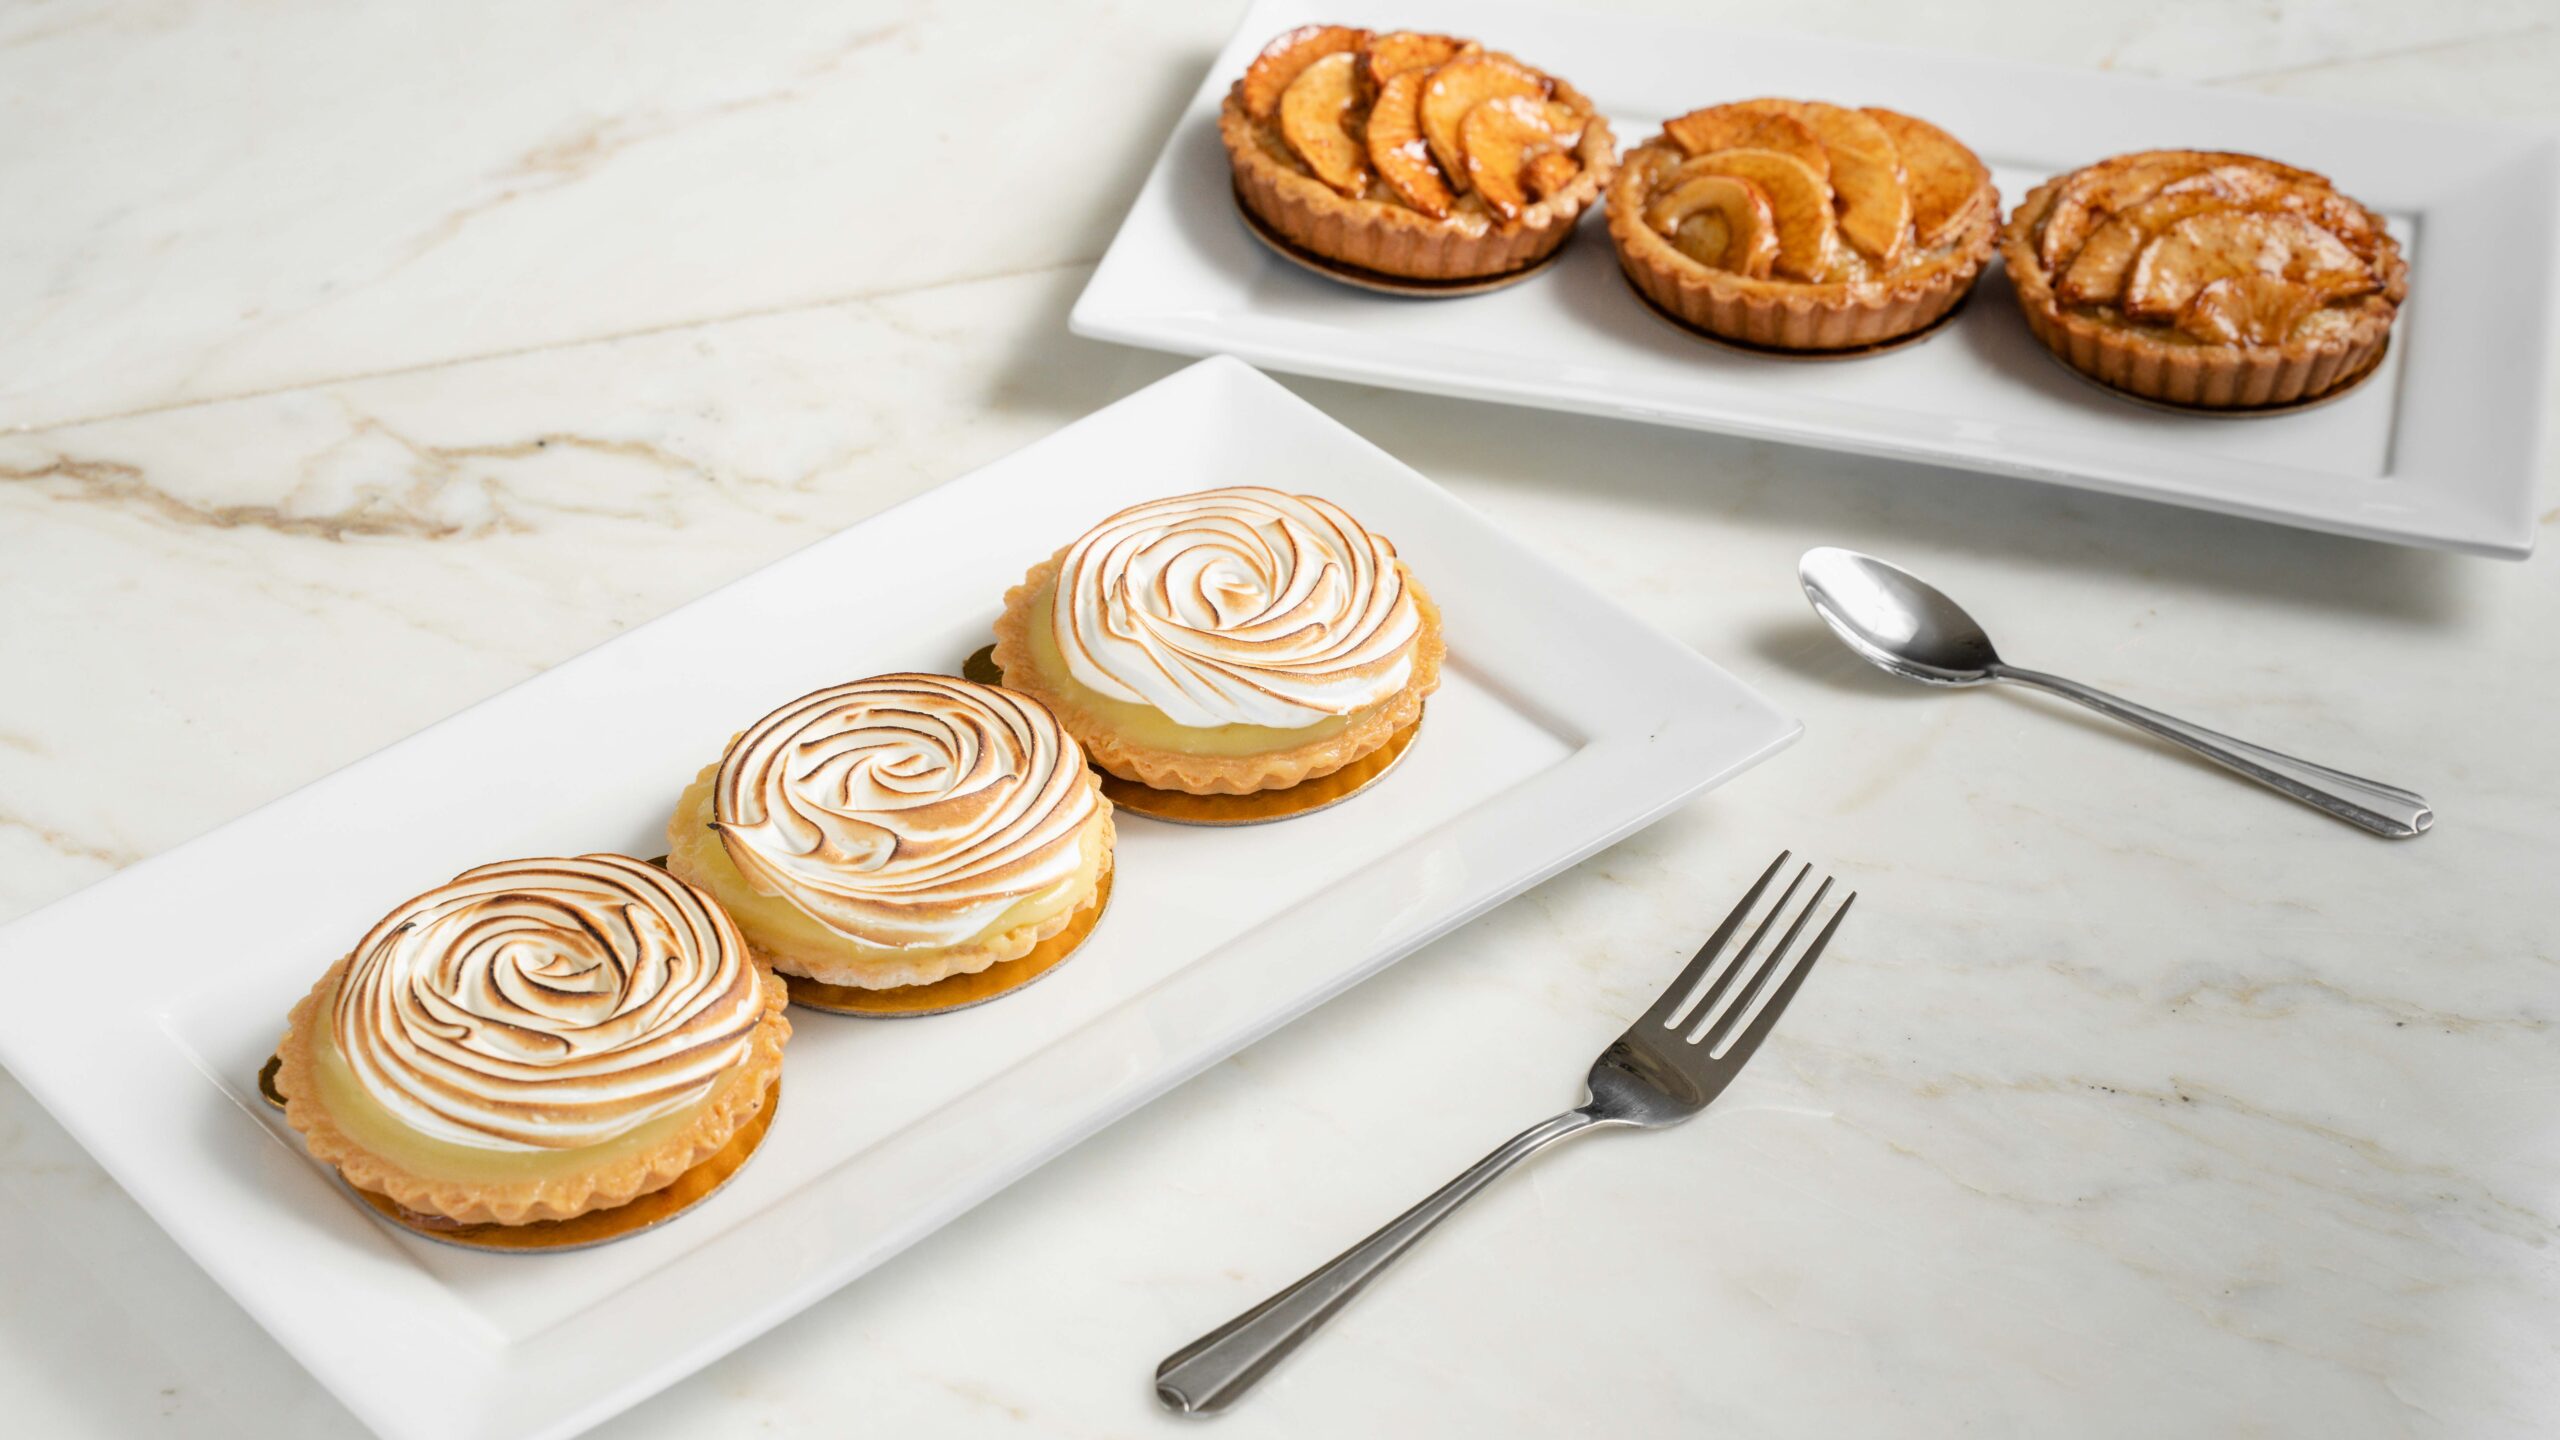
(1512, 143)
(1750, 125)
(1403, 51)
(1314, 118)
(1799, 206)
(1397, 149)
(1460, 86)
(2227, 244)
(2249, 310)
(1945, 180)
(1281, 61)
(1866, 179)
(1720, 221)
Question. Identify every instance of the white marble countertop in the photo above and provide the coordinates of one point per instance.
(358, 362)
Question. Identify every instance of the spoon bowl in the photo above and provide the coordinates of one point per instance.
(1895, 619)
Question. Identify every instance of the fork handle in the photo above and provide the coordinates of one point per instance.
(2369, 804)
(1212, 1372)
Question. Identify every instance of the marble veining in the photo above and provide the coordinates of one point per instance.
(366, 361)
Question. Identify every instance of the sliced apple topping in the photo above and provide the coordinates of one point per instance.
(1946, 181)
(2110, 186)
(2097, 274)
(1751, 125)
(1401, 52)
(2177, 266)
(1799, 205)
(1510, 142)
(1866, 179)
(1720, 221)
(1397, 149)
(1314, 118)
(1459, 87)
(1271, 72)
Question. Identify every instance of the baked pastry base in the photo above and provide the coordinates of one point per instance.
(1162, 769)
(1380, 281)
(688, 851)
(960, 992)
(1262, 807)
(1772, 352)
(2334, 393)
(596, 1227)
(731, 1108)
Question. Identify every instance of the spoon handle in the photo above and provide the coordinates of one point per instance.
(2382, 809)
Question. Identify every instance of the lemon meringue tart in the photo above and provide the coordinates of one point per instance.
(1424, 157)
(2206, 278)
(1225, 642)
(534, 1041)
(1804, 226)
(898, 831)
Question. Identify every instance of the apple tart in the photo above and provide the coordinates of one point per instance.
(1800, 225)
(1225, 643)
(2205, 278)
(533, 1041)
(1425, 157)
(897, 831)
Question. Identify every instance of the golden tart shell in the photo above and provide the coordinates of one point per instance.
(1163, 769)
(1390, 239)
(1782, 314)
(2143, 363)
(695, 856)
(572, 1192)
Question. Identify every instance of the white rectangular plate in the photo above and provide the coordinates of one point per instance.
(1562, 725)
(2439, 448)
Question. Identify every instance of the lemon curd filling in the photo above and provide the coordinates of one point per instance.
(778, 925)
(1152, 727)
(370, 1125)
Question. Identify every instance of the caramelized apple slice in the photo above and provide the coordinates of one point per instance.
(1271, 72)
(1503, 140)
(1799, 205)
(1397, 148)
(2250, 310)
(1313, 112)
(1946, 181)
(1402, 51)
(1460, 86)
(2109, 186)
(2227, 244)
(1866, 179)
(1750, 125)
(1719, 221)
(1550, 171)
(2097, 274)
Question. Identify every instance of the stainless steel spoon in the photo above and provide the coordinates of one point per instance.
(1903, 625)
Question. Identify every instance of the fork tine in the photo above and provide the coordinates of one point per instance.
(1712, 1026)
(1749, 1040)
(1742, 963)
(1674, 996)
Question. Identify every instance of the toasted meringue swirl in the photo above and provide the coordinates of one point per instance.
(906, 811)
(547, 1004)
(1243, 606)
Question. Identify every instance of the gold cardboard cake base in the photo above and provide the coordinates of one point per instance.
(1381, 282)
(1260, 808)
(1773, 352)
(959, 992)
(2339, 391)
(596, 1227)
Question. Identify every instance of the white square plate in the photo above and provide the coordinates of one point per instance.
(1562, 725)
(2439, 448)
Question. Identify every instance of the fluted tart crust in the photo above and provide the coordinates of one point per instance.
(1425, 157)
(1802, 225)
(2205, 278)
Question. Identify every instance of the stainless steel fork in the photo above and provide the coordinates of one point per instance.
(1674, 1060)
